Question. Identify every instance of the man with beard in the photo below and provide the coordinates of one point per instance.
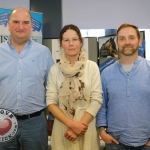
(124, 118)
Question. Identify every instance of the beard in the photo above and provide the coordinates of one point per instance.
(129, 50)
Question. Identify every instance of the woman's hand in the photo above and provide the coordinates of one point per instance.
(70, 135)
(78, 127)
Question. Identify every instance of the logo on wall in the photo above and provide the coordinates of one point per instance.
(36, 25)
(4, 17)
(8, 125)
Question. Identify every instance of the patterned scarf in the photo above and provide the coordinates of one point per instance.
(72, 88)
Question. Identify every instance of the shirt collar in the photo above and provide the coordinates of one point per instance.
(9, 43)
(25, 49)
(135, 62)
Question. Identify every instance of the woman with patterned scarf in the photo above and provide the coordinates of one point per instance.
(74, 95)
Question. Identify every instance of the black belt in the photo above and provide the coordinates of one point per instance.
(132, 147)
(23, 117)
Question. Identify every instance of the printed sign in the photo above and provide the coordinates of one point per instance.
(8, 125)
(36, 25)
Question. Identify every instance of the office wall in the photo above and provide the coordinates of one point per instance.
(106, 14)
(11, 4)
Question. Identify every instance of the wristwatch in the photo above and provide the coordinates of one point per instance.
(100, 129)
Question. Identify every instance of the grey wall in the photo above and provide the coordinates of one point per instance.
(87, 14)
(52, 16)
(11, 4)
(106, 14)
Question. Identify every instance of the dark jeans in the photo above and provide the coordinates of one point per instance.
(120, 146)
(32, 135)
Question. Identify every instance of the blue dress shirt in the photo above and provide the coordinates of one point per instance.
(126, 103)
(22, 77)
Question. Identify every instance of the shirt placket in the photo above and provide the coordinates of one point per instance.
(19, 82)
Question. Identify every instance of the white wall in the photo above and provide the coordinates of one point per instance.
(106, 14)
(11, 4)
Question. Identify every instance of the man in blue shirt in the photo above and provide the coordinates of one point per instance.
(24, 66)
(124, 118)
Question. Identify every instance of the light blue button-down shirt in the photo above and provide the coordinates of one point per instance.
(22, 77)
(126, 105)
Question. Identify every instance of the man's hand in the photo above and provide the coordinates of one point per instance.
(50, 127)
(107, 138)
(148, 143)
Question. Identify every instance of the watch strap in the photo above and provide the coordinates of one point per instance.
(100, 129)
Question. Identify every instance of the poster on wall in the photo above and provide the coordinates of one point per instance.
(37, 28)
(36, 25)
(107, 46)
(108, 50)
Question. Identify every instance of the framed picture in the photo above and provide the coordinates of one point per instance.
(107, 47)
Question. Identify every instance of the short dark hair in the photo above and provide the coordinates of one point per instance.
(129, 25)
(72, 27)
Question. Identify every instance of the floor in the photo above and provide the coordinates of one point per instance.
(102, 145)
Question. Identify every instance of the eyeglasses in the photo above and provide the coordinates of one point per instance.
(71, 40)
